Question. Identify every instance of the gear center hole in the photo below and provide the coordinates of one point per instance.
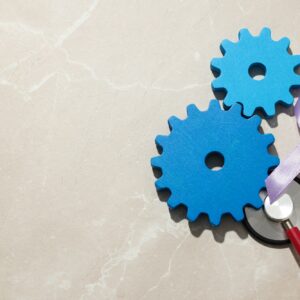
(214, 160)
(257, 71)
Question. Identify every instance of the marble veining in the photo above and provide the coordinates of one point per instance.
(85, 87)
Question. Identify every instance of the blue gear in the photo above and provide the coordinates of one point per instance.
(251, 51)
(203, 190)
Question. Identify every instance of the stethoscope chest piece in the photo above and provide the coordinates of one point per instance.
(281, 210)
(268, 223)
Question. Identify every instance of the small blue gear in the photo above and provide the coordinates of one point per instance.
(271, 57)
(201, 189)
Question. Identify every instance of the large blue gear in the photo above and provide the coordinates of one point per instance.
(201, 189)
(252, 51)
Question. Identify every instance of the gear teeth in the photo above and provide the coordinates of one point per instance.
(174, 122)
(161, 140)
(192, 215)
(160, 184)
(248, 110)
(273, 161)
(284, 43)
(265, 33)
(244, 33)
(156, 162)
(295, 79)
(216, 64)
(238, 215)
(268, 139)
(252, 49)
(171, 164)
(218, 84)
(270, 110)
(192, 110)
(289, 99)
(215, 219)
(226, 46)
(214, 105)
(296, 60)
(255, 120)
(236, 109)
(256, 202)
(173, 202)
(228, 101)
(295, 84)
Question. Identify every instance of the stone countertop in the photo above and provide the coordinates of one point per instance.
(85, 87)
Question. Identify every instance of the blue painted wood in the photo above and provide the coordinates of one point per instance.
(248, 53)
(201, 189)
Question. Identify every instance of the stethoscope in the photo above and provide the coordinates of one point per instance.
(276, 223)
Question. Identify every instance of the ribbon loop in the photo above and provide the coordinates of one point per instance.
(287, 171)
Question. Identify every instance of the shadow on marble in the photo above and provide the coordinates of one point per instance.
(227, 222)
(219, 233)
(202, 223)
(280, 108)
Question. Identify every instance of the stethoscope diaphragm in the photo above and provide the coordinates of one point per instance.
(268, 231)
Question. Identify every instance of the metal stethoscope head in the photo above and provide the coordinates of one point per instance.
(273, 224)
(280, 211)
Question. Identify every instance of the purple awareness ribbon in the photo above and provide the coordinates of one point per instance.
(287, 171)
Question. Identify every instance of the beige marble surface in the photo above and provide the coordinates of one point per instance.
(85, 87)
